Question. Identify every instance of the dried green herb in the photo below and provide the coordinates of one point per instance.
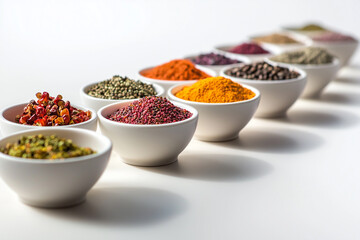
(309, 55)
(45, 147)
(118, 88)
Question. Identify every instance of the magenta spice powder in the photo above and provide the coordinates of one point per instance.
(248, 48)
(150, 110)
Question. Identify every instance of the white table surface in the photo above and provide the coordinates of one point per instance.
(290, 178)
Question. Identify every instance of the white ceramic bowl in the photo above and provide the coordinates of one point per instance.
(148, 145)
(303, 41)
(97, 103)
(55, 183)
(344, 50)
(220, 121)
(276, 96)
(318, 76)
(9, 126)
(166, 84)
(225, 50)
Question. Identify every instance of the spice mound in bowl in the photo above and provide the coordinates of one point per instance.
(214, 61)
(320, 66)
(45, 147)
(51, 111)
(340, 45)
(225, 106)
(46, 111)
(247, 51)
(150, 110)
(275, 38)
(120, 88)
(280, 86)
(248, 48)
(175, 72)
(97, 95)
(151, 131)
(53, 167)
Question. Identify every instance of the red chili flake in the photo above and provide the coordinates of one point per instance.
(51, 111)
(150, 110)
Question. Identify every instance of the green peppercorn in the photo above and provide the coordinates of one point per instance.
(118, 88)
(45, 147)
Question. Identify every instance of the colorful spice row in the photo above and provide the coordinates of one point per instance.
(176, 70)
(118, 88)
(45, 147)
(309, 55)
(150, 110)
(215, 90)
(262, 71)
(51, 111)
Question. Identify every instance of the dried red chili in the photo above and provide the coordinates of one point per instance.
(51, 111)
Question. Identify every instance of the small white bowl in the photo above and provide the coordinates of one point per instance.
(303, 41)
(148, 145)
(166, 84)
(97, 103)
(344, 50)
(217, 68)
(225, 50)
(9, 126)
(220, 121)
(318, 76)
(56, 183)
(277, 96)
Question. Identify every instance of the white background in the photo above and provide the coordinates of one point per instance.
(291, 178)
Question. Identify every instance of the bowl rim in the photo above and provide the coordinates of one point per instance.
(335, 63)
(176, 103)
(242, 60)
(107, 146)
(220, 49)
(2, 118)
(301, 77)
(203, 68)
(253, 89)
(159, 91)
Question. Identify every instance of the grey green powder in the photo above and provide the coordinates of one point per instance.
(309, 55)
(118, 88)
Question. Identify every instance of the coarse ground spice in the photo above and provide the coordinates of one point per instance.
(309, 55)
(275, 38)
(333, 37)
(262, 71)
(248, 48)
(215, 90)
(150, 110)
(45, 147)
(311, 27)
(51, 111)
(176, 70)
(213, 59)
(118, 88)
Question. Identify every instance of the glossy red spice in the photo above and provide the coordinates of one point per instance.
(150, 110)
(51, 111)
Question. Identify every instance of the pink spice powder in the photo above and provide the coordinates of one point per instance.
(333, 37)
(150, 110)
(248, 48)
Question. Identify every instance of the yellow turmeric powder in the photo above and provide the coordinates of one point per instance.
(215, 90)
